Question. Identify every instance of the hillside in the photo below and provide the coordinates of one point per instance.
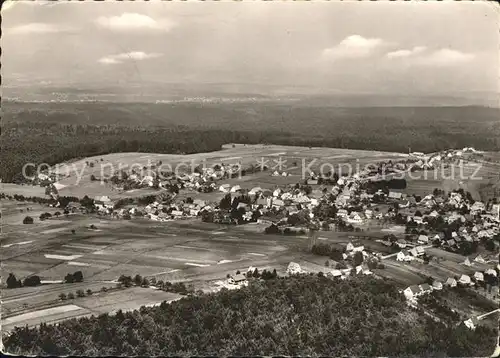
(54, 132)
(309, 315)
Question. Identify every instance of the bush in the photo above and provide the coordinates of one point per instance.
(28, 220)
(80, 293)
(12, 281)
(71, 296)
(32, 281)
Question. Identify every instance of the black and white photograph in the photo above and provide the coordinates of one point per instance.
(250, 178)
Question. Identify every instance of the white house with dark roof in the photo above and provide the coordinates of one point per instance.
(465, 280)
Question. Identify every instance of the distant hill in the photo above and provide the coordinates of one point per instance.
(58, 131)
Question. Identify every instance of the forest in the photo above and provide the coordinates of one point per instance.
(55, 132)
(306, 315)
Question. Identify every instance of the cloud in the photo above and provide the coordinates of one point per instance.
(420, 56)
(133, 22)
(406, 53)
(354, 46)
(127, 56)
(445, 56)
(38, 28)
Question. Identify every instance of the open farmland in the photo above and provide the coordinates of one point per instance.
(75, 175)
(95, 304)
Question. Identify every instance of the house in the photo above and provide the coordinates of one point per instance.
(425, 287)
(265, 202)
(451, 242)
(401, 256)
(479, 259)
(103, 202)
(417, 251)
(467, 262)
(401, 243)
(255, 190)
(404, 256)
(478, 276)
(293, 268)
(225, 188)
(465, 280)
(395, 195)
(491, 272)
(437, 285)
(412, 292)
(237, 279)
(358, 248)
(477, 207)
(423, 239)
(335, 273)
(267, 220)
(349, 247)
(177, 213)
(278, 203)
(355, 218)
(311, 181)
(342, 213)
(368, 213)
(451, 282)
(471, 323)
(235, 188)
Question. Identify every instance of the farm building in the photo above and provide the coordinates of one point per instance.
(465, 280)
(425, 287)
(451, 282)
(412, 292)
(471, 323)
(103, 202)
(235, 189)
(478, 276)
(437, 285)
(293, 268)
(423, 239)
(237, 279)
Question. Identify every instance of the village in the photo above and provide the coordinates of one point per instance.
(388, 228)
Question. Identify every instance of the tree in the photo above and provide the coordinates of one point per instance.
(28, 220)
(71, 296)
(225, 203)
(73, 231)
(57, 214)
(89, 292)
(12, 281)
(78, 276)
(69, 278)
(80, 293)
(358, 258)
(256, 273)
(32, 281)
(62, 297)
(137, 280)
(125, 280)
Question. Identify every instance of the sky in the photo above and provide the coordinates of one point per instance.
(341, 47)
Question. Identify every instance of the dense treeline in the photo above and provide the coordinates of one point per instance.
(307, 316)
(56, 132)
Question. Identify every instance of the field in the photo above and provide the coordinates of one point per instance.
(95, 304)
(188, 251)
(296, 161)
